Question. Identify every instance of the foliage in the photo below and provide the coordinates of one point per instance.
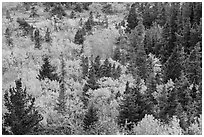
(132, 18)
(90, 117)
(47, 70)
(22, 116)
(151, 126)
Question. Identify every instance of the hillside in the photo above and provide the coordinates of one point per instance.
(91, 68)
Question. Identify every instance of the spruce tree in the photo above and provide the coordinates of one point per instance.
(79, 36)
(61, 105)
(105, 69)
(8, 35)
(174, 65)
(117, 54)
(193, 66)
(85, 66)
(96, 66)
(132, 108)
(47, 70)
(47, 36)
(22, 116)
(90, 118)
(37, 38)
(132, 18)
(91, 83)
(137, 52)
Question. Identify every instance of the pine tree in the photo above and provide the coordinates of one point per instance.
(48, 38)
(91, 83)
(132, 18)
(105, 69)
(169, 32)
(96, 66)
(37, 38)
(85, 66)
(90, 118)
(47, 70)
(22, 116)
(194, 65)
(117, 54)
(132, 108)
(174, 65)
(8, 35)
(137, 52)
(61, 105)
(79, 36)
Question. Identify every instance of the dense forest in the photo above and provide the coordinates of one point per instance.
(102, 68)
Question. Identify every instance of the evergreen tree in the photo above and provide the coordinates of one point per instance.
(194, 65)
(48, 38)
(174, 65)
(37, 38)
(91, 83)
(132, 18)
(96, 66)
(47, 70)
(132, 108)
(8, 35)
(105, 69)
(169, 32)
(137, 52)
(61, 105)
(22, 117)
(90, 118)
(117, 54)
(85, 66)
(79, 37)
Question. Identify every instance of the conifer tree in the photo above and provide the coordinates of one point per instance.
(47, 70)
(91, 117)
(48, 38)
(194, 65)
(91, 83)
(37, 38)
(79, 37)
(85, 66)
(105, 69)
(137, 52)
(132, 18)
(61, 105)
(132, 108)
(22, 116)
(118, 72)
(8, 35)
(96, 66)
(117, 54)
(174, 65)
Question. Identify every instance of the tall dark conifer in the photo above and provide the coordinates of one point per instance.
(47, 70)
(22, 116)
